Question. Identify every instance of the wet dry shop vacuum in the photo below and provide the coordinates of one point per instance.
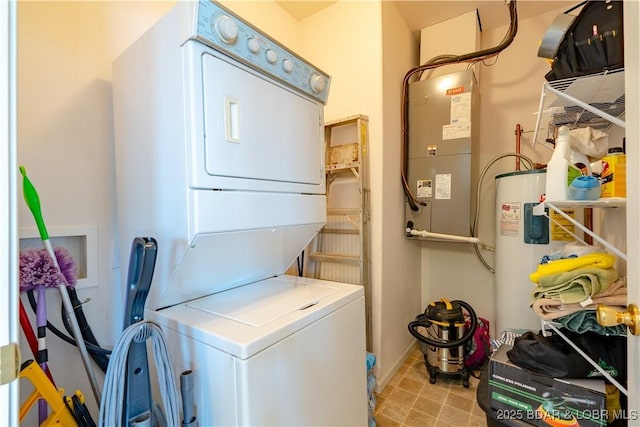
(443, 331)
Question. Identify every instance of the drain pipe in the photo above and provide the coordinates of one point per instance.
(449, 237)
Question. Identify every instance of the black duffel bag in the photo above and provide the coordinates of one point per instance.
(554, 357)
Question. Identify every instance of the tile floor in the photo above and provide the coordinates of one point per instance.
(410, 400)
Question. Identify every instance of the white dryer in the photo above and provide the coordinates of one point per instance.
(220, 158)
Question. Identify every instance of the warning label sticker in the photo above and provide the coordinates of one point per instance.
(510, 218)
(443, 186)
(460, 122)
(561, 228)
(424, 188)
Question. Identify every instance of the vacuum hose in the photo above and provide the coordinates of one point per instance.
(425, 323)
(112, 408)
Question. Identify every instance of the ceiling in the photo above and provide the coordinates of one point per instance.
(303, 9)
(423, 13)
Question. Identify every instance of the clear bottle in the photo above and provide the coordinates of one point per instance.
(557, 168)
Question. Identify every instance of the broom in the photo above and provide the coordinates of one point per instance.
(33, 202)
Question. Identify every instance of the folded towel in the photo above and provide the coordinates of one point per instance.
(585, 321)
(549, 308)
(597, 259)
(574, 286)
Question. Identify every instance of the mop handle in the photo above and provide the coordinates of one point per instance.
(32, 199)
(77, 334)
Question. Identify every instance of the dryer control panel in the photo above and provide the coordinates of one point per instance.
(228, 33)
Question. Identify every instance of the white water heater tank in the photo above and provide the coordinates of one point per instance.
(522, 239)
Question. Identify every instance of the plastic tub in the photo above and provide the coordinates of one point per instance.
(585, 188)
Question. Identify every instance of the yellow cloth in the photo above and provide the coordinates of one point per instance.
(597, 259)
(574, 286)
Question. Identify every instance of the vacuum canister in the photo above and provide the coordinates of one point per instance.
(442, 333)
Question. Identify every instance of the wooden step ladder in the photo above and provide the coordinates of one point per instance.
(340, 251)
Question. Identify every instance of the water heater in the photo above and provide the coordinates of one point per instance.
(442, 152)
(522, 239)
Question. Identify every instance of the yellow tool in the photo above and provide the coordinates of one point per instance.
(60, 415)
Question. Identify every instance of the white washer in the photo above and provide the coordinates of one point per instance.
(220, 158)
(284, 352)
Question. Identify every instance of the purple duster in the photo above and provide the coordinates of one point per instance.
(38, 269)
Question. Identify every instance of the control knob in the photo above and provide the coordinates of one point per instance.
(317, 83)
(253, 45)
(287, 65)
(227, 29)
(271, 55)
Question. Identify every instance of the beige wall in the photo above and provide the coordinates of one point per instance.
(344, 40)
(399, 292)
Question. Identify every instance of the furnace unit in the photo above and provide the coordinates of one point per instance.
(442, 152)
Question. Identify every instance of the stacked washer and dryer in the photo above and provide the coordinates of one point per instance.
(220, 158)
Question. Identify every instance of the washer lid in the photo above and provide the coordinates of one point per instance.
(245, 320)
(260, 305)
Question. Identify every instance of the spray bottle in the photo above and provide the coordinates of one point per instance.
(557, 168)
